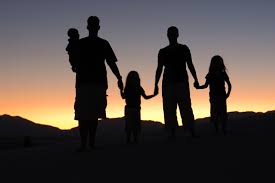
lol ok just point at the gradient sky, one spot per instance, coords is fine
(37, 83)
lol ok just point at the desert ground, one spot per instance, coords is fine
(245, 154)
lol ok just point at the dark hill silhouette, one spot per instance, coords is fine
(241, 122)
(257, 123)
(14, 129)
(15, 126)
(248, 115)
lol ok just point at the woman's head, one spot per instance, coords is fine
(217, 64)
(132, 79)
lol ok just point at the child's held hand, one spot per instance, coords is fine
(196, 85)
(156, 92)
(120, 84)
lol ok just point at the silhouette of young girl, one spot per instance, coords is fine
(216, 79)
(132, 94)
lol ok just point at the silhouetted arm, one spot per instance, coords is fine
(122, 94)
(111, 61)
(202, 86)
(114, 68)
(158, 72)
(229, 87)
(147, 96)
(191, 67)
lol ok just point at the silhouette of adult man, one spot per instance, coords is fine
(91, 81)
(175, 86)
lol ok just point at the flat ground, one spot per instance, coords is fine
(237, 157)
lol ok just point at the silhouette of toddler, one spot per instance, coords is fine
(73, 47)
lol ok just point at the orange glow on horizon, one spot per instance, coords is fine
(58, 111)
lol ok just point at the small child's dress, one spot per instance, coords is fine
(132, 109)
(217, 95)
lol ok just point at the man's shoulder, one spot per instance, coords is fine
(163, 50)
(99, 39)
(83, 39)
(183, 46)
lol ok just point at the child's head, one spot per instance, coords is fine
(132, 79)
(217, 64)
(73, 33)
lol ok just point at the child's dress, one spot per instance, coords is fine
(217, 95)
(132, 109)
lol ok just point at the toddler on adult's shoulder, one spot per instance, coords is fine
(73, 47)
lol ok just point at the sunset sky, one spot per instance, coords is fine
(38, 84)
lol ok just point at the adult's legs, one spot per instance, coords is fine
(92, 131)
(185, 106)
(170, 109)
(83, 131)
(216, 124)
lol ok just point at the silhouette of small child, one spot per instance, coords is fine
(73, 47)
(132, 94)
(216, 79)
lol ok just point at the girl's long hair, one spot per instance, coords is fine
(217, 65)
(132, 82)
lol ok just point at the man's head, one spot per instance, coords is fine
(93, 24)
(172, 34)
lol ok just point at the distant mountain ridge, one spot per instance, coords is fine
(18, 126)
(235, 115)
